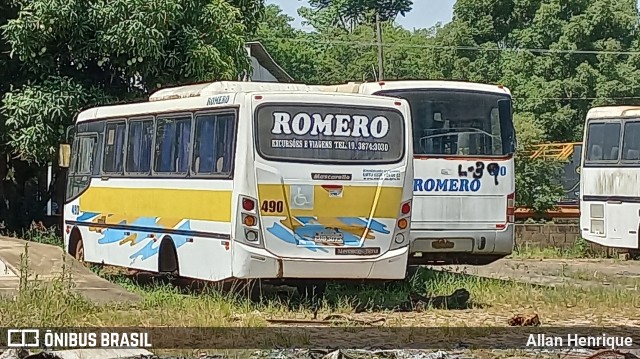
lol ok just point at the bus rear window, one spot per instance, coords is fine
(325, 133)
(458, 122)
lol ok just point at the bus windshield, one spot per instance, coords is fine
(459, 122)
(329, 133)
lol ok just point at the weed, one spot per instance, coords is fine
(579, 249)
(51, 302)
(37, 232)
(492, 302)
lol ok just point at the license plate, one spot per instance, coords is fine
(370, 251)
(331, 239)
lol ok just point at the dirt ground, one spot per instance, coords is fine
(558, 272)
(571, 292)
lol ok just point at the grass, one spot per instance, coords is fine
(37, 232)
(57, 304)
(492, 303)
(579, 249)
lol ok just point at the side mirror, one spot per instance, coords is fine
(64, 155)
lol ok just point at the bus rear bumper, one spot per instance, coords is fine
(254, 263)
(477, 247)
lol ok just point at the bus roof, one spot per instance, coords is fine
(613, 111)
(372, 87)
(219, 87)
(188, 100)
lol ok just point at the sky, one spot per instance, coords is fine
(424, 14)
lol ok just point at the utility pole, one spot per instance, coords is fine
(380, 53)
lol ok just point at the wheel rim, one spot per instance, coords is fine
(80, 252)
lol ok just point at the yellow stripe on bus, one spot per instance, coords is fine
(356, 201)
(205, 205)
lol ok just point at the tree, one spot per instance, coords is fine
(556, 87)
(347, 14)
(332, 55)
(537, 180)
(67, 55)
(295, 50)
(251, 11)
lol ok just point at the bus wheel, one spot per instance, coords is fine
(168, 259)
(79, 252)
(76, 246)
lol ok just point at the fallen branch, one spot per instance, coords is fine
(327, 320)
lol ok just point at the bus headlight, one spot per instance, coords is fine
(399, 238)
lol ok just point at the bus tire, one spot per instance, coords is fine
(168, 258)
(76, 245)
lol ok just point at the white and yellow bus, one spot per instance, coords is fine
(235, 180)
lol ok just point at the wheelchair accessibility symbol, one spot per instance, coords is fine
(301, 197)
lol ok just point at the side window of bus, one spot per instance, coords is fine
(83, 156)
(213, 144)
(173, 137)
(631, 141)
(603, 141)
(139, 146)
(112, 161)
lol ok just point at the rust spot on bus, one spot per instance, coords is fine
(280, 269)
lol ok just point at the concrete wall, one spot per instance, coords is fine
(554, 236)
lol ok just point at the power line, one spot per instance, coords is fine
(458, 47)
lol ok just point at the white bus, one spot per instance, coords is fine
(464, 187)
(236, 180)
(610, 177)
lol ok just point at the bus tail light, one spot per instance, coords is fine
(403, 223)
(248, 204)
(248, 227)
(249, 220)
(511, 210)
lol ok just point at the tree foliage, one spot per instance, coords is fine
(558, 59)
(58, 57)
(347, 14)
(537, 180)
(83, 53)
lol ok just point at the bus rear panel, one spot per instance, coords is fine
(333, 184)
(464, 186)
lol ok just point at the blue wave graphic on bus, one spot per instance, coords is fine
(85, 216)
(149, 250)
(137, 237)
(303, 236)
